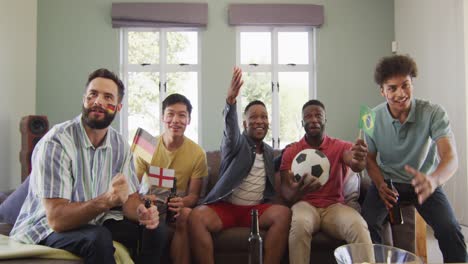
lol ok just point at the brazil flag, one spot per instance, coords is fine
(367, 120)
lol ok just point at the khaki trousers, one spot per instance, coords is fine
(337, 220)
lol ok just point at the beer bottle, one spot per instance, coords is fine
(255, 240)
(396, 218)
(170, 214)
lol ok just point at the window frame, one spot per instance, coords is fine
(275, 68)
(162, 68)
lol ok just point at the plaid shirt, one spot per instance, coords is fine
(66, 165)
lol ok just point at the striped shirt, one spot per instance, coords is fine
(66, 165)
(250, 191)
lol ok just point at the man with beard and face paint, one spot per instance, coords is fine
(246, 182)
(83, 187)
(188, 160)
(417, 152)
(316, 207)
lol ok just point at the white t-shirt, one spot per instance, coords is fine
(250, 191)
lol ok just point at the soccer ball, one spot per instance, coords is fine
(311, 161)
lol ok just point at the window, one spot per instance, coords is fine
(156, 63)
(279, 69)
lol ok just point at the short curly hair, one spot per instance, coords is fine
(396, 65)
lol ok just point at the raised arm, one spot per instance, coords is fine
(236, 84)
(231, 125)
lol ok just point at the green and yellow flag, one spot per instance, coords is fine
(367, 120)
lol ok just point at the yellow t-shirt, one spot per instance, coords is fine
(188, 162)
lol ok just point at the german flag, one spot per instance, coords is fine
(110, 108)
(144, 144)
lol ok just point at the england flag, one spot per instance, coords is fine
(161, 177)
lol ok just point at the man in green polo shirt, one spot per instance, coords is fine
(417, 152)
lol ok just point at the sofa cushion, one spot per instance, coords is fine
(11, 207)
(214, 161)
(351, 190)
(4, 196)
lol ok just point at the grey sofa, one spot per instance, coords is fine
(231, 245)
(5, 229)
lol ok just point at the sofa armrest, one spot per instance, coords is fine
(5, 229)
(4, 195)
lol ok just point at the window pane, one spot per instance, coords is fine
(293, 94)
(182, 47)
(186, 83)
(255, 47)
(293, 47)
(257, 86)
(143, 47)
(143, 103)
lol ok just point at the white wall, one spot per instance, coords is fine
(18, 20)
(432, 32)
(465, 30)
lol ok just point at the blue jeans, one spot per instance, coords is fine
(436, 211)
(94, 243)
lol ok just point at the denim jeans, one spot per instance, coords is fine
(94, 243)
(436, 211)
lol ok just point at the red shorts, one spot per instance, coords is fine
(232, 215)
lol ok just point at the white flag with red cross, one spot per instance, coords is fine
(161, 177)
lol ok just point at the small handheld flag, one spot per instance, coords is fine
(161, 177)
(110, 108)
(144, 145)
(367, 120)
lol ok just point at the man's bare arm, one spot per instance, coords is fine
(425, 185)
(62, 215)
(191, 199)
